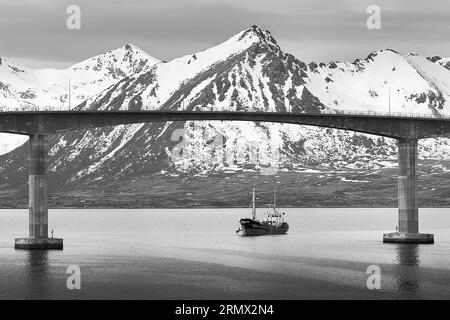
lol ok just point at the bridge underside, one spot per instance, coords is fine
(38, 125)
(408, 213)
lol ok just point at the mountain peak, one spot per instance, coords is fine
(130, 50)
(131, 47)
(238, 43)
(381, 52)
(256, 34)
(122, 61)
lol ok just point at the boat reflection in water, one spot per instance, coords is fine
(273, 222)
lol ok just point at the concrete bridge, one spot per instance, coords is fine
(406, 128)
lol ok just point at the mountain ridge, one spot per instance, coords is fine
(24, 88)
(247, 72)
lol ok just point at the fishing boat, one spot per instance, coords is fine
(272, 223)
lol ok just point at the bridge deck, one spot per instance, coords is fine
(399, 126)
(371, 114)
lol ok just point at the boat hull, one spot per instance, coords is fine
(251, 228)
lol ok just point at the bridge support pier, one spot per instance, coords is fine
(408, 209)
(38, 199)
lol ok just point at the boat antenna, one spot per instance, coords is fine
(254, 205)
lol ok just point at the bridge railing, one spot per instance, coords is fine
(392, 114)
(289, 111)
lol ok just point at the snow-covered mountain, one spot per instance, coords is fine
(22, 88)
(247, 72)
(413, 84)
(25, 88)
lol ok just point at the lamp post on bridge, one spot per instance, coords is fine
(389, 100)
(69, 96)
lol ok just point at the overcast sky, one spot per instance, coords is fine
(34, 32)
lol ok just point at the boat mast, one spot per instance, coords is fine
(254, 205)
(275, 205)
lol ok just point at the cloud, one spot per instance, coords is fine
(310, 29)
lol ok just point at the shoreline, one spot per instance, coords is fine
(217, 207)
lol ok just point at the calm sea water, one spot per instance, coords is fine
(195, 254)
